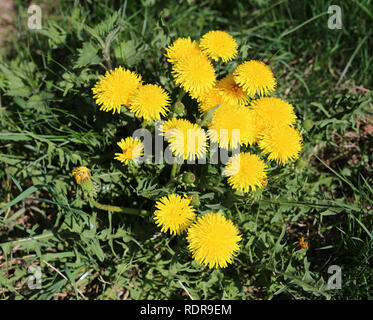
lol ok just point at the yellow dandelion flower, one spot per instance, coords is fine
(231, 92)
(303, 243)
(283, 143)
(213, 240)
(173, 123)
(272, 111)
(219, 45)
(81, 174)
(255, 77)
(231, 125)
(187, 140)
(174, 213)
(150, 102)
(182, 47)
(246, 171)
(82, 177)
(195, 74)
(132, 149)
(115, 88)
(210, 100)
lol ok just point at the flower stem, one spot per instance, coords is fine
(175, 170)
(118, 209)
(181, 95)
(134, 172)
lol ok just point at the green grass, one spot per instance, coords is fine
(49, 124)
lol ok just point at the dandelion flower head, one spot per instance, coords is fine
(246, 172)
(231, 125)
(255, 77)
(81, 174)
(213, 240)
(182, 47)
(230, 91)
(210, 100)
(174, 214)
(132, 149)
(282, 143)
(219, 45)
(115, 89)
(271, 111)
(195, 74)
(150, 102)
(187, 140)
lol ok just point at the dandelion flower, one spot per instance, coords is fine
(132, 149)
(213, 240)
(273, 111)
(246, 171)
(115, 88)
(82, 177)
(150, 102)
(195, 74)
(174, 213)
(230, 91)
(303, 243)
(81, 174)
(167, 126)
(210, 100)
(268, 112)
(283, 143)
(255, 77)
(219, 45)
(182, 47)
(187, 140)
(231, 125)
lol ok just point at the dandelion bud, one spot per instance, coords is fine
(179, 108)
(189, 177)
(308, 124)
(264, 181)
(195, 200)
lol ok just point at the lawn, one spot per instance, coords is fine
(307, 234)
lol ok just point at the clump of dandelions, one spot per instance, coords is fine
(235, 110)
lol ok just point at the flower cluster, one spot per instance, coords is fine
(213, 239)
(238, 102)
